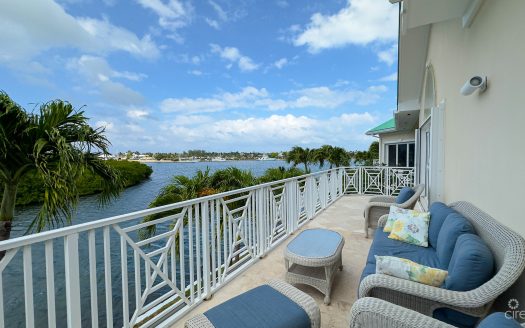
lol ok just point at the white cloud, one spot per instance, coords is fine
(108, 126)
(251, 97)
(361, 22)
(212, 22)
(389, 78)
(233, 55)
(98, 74)
(29, 30)
(282, 3)
(389, 55)
(137, 113)
(195, 72)
(275, 131)
(221, 13)
(280, 63)
(173, 14)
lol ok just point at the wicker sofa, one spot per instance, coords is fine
(508, 252)
(378, 206)
(371, 312)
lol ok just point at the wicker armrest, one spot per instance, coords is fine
(459, 300)
(372, 312)
(382, 220)
(382, 199)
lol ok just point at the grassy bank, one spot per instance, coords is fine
(31, 191)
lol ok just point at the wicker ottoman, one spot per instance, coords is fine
(313, 257)
(273, 305)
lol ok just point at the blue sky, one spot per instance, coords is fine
(171, 75)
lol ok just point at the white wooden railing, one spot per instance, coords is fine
(378, 180)
(112, 274)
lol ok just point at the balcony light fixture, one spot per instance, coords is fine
(474, 83)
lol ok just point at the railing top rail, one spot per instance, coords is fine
(77, 228)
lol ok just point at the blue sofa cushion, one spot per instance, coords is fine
(438, 214)
(471, 265)
(262, 307)
(382, 245)
(499, 320)
(454, 226)
(404, 194)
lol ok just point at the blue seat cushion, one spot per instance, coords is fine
(382, 245)
(404, 194)
(438, 214)
(261, 307)
(499, 320)
(454, 226)
(471, 265)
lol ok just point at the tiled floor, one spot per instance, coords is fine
(344, 216)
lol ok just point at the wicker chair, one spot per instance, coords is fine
(371, 312)
(508, 249)
(378, 206)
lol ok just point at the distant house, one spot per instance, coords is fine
(396, 145)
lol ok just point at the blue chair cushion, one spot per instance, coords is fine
(382, 245)
(404, 194)
(438, 214)
(499, 320)
(471, 265)
(454, 226)
(261, 307)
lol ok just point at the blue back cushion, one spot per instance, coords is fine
(471, 265)
(262, 306)
(499, 320)
(438, 214)
(454, 226)
(404, 195)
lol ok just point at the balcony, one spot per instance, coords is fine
(124, 271)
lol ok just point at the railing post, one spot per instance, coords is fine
(360, 175)
(309, 197)
(261, 222)
(205, 249)
(387, 184)
(72, 280)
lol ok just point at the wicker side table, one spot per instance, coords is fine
(313, 257)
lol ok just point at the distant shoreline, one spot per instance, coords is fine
(171, 161)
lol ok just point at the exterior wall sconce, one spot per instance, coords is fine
(473, 84)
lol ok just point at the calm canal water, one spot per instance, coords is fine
(132, 199)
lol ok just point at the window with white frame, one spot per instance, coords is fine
(400, 154)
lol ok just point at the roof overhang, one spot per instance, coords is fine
(415, 19)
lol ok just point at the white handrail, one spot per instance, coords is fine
(191, 255)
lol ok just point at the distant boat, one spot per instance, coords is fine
(218, 159)
(266, 158)
(188, 160)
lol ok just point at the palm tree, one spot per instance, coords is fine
(58, 145)
(298, 155)
(279, 173)
(232, 178)
(338, 157)
(323, 154)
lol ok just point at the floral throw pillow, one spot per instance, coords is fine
(412, 228)
(409, 270)
(395, 214)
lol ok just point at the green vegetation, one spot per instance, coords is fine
(58, 146)
(367, 157)
(31, 189)
(335, 156)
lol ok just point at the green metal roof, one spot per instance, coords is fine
(387, 126)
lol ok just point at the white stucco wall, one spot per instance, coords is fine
(394, 137)
(484, 149)
(484, 152)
